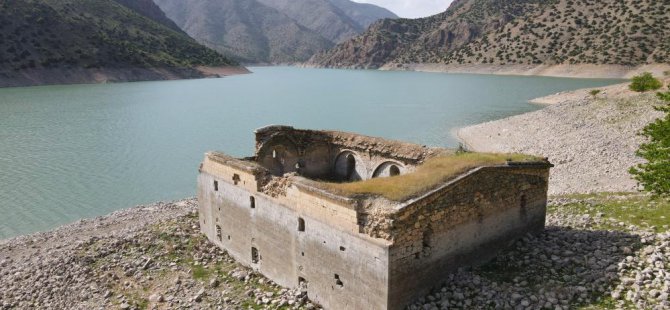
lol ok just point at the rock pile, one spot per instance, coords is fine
(571, 264)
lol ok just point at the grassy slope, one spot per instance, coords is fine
(91, 34)
(432, 173)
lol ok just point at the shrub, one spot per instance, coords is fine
(645, 82)
(654, 175)
(594, 92)
(664, 96)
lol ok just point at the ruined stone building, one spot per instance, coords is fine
(273, 213)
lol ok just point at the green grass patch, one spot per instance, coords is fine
(631, 208)
(199, 272)
(432, 173)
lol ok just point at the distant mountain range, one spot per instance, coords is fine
(505, 32)
(271, 31)
(74, 41)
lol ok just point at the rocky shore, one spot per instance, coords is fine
(591, 139)
(153, 257)
(65, 76)
(590, 71)
(146, 257)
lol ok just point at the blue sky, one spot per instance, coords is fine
(412, 8)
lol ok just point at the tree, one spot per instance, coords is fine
(654, 175)
(645, 82)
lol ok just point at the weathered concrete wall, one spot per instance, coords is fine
(463, 224)
(337, 262)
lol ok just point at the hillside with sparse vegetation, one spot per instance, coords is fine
(271, 31)
(513, 32)
(95, 35)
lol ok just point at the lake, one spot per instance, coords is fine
(79, 151)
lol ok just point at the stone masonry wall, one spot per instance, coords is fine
(463, 224)
(322, 154)
(335, 260)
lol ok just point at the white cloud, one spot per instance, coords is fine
(412, 8)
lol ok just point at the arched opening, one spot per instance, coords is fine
(387, 169)
(394, 170)
(351, 166)
(346, 167)
(301, 224)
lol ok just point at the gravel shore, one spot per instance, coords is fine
(154, 257)
(591, 140)
(150, 256)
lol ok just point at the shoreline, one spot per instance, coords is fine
(582, 71)
(590, 140)
(74, 76)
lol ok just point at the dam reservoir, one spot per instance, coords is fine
(79, 151)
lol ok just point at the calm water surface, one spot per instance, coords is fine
(71, 152)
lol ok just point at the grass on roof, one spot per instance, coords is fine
(432, 173)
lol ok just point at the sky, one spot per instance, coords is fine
(412, 8)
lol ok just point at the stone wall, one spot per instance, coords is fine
(463, 224)
(294, 237)
(362, 252)
(324, 154)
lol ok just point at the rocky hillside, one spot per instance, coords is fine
(271, 31)
(150, 10)
(74, 41)
(505, 32)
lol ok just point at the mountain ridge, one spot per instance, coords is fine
(269, 31)
(503, 33)
(94, 41)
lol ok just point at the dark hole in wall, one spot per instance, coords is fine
(301, 224)
(255, 257)
(302, 283)
(394, 170)
(236, 178)
(218, 233)
(216, 186)
(252, 202)
(343, 249)
(361, 220)
(427, 242)
(338, 281)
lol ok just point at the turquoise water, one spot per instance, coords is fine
(71, 152)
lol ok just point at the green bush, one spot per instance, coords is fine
(645, 82)
(595, 92)
(654, 175)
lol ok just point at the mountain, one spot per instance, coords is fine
(522, 32)
(149, 9)
(271, 31)
(319, 16)
(247, 30)
(363, 13)
(335, 20)
(77, 41)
